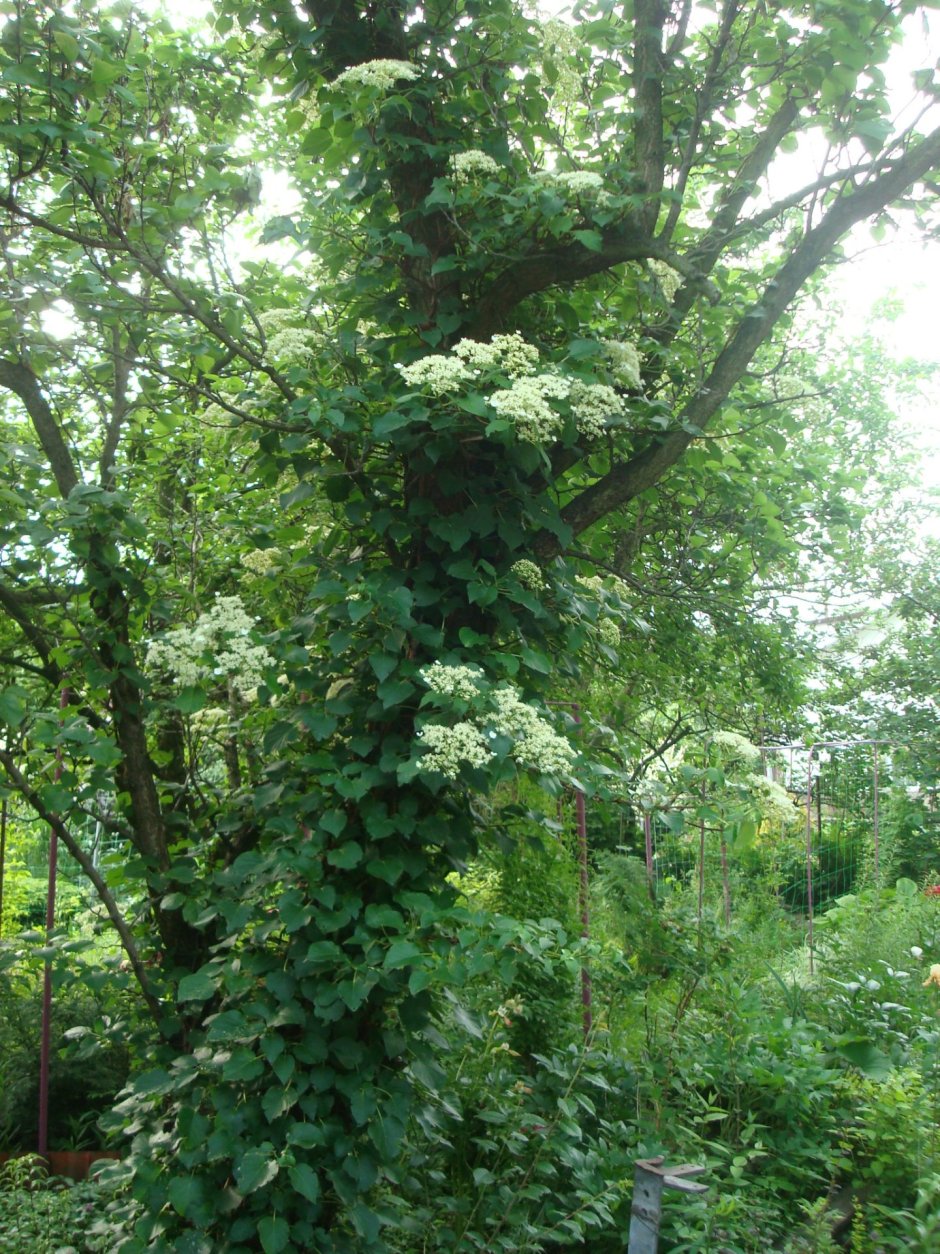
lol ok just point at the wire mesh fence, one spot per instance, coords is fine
(24, 866)
(864, 814)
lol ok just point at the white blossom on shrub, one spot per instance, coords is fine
(534, 742)
(773, 802)
(609, 633)
(624, 359)
(260, 562)
(510, 354)
(217, 646)
(592, 405)
(383, 73)
(453, 747)
(576, 182)
(528, 574)
(731, 744)
(438, 373)
(468, 166)
(533, 418)
(453, 681)
(669, 280)
(293, 345)
(537, 744)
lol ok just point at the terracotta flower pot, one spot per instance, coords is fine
(74, 1164)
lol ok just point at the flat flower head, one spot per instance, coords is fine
(383, 74)
(933, 977)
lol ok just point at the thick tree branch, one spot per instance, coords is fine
(565, 264)
(13, 605)
(649, 22)
(710, 247)
(19, 379)
(703, 103)
(625, 481)
(109, 604)
(29, 794)
(121, 365)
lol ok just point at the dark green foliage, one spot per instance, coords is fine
(83, 1084)
(46, 1215)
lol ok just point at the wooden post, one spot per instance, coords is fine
(649, 1180)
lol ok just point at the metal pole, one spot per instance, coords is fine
(725, 880)
(46, 1029)
(584, 902)
(3, 853)
(701, 861)
(809, 855)
(648, 838)
(875, 831)
(45, 1040)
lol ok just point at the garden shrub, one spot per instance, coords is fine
(84, 1077)
(42, 1214)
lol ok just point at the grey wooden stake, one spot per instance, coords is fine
(650, 1178)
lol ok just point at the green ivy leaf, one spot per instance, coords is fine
(256, 1169)
(199, 986)
(274, 1234)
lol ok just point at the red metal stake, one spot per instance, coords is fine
(584, 903)
(809, 856)
(3, 853)
(45, 1042)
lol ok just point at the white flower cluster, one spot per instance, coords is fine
(528, 574)
(213, 720)
(507, 353)
(467, 167)
(607, 591)
(452, 681)
(536, 743)
(592, 405)
(452, 747)
(439, 374)
(260, 562)
(773, 801)
(625, 362)
(560, 44)
(218, 645)
(731, 745)
(669, 280)
(603, 587)
(608, 632)
(276, 319)
(577, 182)
(292, 344)
(382, 74)
(525, 403)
